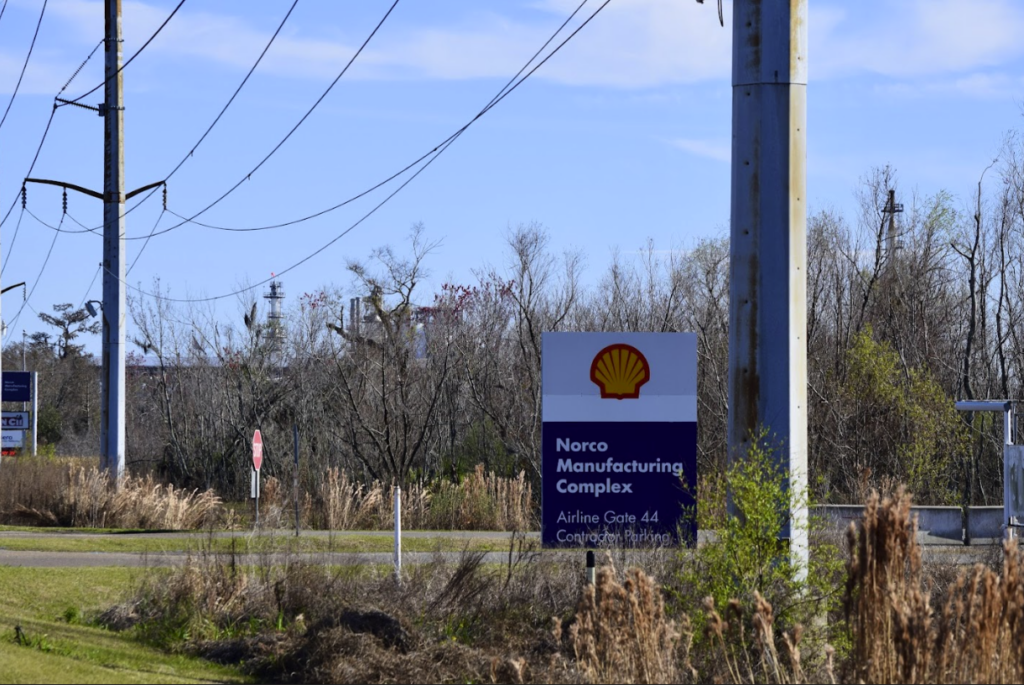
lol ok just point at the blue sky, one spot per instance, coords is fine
(622, 136)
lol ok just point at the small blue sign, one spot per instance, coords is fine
(17, 386)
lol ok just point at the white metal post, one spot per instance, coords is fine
(768, 243)
(1008, 424)
(114, 301)
(35, 413)
(398, 533)
(1005, 406)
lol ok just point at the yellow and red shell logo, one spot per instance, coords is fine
(619, 370)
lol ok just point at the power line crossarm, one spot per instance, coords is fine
(92, 193)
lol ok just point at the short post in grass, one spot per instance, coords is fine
(295, 480)
(591, 568)
(398, 534)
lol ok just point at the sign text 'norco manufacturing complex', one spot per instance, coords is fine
(619, 439)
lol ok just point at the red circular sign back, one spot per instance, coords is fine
(257, 450)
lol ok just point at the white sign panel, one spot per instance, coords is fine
(13, 439)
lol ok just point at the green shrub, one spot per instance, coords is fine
(747, 555)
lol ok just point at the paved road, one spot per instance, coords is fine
(167, 559)
(184, 535)
(934, 549)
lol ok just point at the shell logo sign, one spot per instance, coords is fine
(619, 370)
(618, 474)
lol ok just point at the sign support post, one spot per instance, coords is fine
(35, 412)
(295, 483)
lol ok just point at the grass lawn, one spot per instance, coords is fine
(54, 608)
(58, 541)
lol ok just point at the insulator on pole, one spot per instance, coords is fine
(24, 196)
(165, 197)
(65, 200)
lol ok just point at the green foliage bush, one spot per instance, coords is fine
(747, 554)
(50, 425)
(908, 428)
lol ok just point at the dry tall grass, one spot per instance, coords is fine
(896, 634)
(73, 492)
(67, 493)
(759, 662)
(621, 633)
(482, 501)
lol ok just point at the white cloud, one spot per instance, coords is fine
(914, 39)
(631, 44)
(703, 148)
(974, 86)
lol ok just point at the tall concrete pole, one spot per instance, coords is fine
(768, 283)
(114, 301)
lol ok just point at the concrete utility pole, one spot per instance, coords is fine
(768, 253)
(112, 411)
(114, 300)
(891, 239)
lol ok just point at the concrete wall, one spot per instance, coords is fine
(936, 525)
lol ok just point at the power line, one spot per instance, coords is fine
(151, 233)
(3, 9)
(84, 229)
(35, 159)
(210, 128)
(10, 247)
(38, 278)
(130, 59)
(507, 88)
(24, 66)
(434, 154)
(235, 94)
(91, 284)
(80, 67)
(304, 116)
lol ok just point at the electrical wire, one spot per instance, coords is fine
(494, 101)
(3, 9)
(91, 284)
(132, 58)
(24, 66)
(305, 116)
(191, 152)
(17, 227)
(95, 230)
(210, 127)
(138, 255)
(35, 158)
(39, 277)
(235, 94)
(32, 166)
(80, 67)
(85, 229)
(505, 92)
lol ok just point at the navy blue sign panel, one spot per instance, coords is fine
(619, 439)
(17, 386)
(619, 484)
